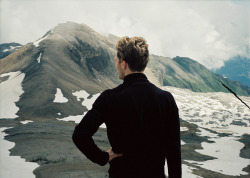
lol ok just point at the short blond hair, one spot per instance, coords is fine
(134, 51)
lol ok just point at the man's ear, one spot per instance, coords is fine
(124, 64)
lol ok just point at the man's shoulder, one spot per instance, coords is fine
(114, 90)
(162, 91)
(110, 91)
(149, 84)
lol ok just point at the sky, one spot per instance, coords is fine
(208, 31)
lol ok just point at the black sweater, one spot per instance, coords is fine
(142, 123)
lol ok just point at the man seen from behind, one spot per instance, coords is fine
(142, 121)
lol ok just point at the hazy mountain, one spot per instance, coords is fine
(237, 69)
(8, 48)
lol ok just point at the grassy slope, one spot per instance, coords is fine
(186, 73)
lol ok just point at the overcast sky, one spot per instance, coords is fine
(208, 31)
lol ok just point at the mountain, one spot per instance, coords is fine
(183, 72)
(8, 48)
(46, 87)
(70, 57)
(237, 69)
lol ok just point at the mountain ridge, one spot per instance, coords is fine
(73, 56)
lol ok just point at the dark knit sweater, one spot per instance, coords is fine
(142, 123)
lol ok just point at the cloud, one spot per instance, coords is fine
(210, 32)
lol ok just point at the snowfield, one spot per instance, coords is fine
(12, 89)
(10, 92)
(216, 112)
(13, 166)
(226, 150)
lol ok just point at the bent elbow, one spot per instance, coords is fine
(75, 138)
(80, 139)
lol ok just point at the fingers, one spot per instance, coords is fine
(113, 155)
(118, 155)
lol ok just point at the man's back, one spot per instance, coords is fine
(141, 120)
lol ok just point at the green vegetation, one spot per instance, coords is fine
(183, 72)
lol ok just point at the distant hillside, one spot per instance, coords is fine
(183, 72)
(8, 48)
(237, 69)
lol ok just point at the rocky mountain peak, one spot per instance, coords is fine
(73, 57)
(73, 33)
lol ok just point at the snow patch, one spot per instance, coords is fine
(87, 102)
(12, 89)
(11, 48)
(26, 121)
(226, 150)
(59, 98)
(183, 143)
(205, 133)
(80, 94)
(183, 129)
(38, 41)
(14, 47)
(13, 166)
(39, 58)
(77, 119)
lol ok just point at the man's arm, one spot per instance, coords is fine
(84, 131)
(173, 146)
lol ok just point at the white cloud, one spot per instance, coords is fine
(210, 32)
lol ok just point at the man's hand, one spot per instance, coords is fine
(113, 155)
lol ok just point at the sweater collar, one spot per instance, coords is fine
(134, 77)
